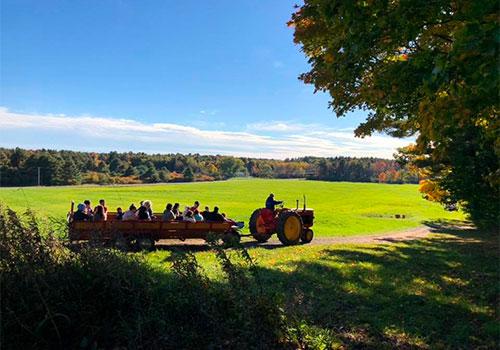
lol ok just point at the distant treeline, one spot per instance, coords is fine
(20, 167)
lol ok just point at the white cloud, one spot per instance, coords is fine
(281, 126)
(208, 112)
(288, 139)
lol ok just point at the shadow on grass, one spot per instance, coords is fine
(432, 293)
(203, 247)
(453, 227)
(435, 293)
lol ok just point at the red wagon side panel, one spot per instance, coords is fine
(105, 230)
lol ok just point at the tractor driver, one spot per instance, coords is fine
(270, 202)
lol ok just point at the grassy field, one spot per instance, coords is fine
(435, 293)
(341, 209)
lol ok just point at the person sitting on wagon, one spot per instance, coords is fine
(175, 209)
(215, 215)
(168, 214)
(143, 213)
(80, 214)
(197, 216)
(186, 209)
(195, 206)
(149, 207)
(206, 213)
(103, 203)
(270, 202)
(130, 214)
(88, 207)
(119, 213)
(99, 214)
(189, 216)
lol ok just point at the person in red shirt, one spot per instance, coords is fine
(196, 206)
(102, 202)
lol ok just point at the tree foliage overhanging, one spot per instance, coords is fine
(19, 167)
(424, 68)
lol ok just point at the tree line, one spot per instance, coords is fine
(21, 167)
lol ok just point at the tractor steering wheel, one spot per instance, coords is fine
(281, 205)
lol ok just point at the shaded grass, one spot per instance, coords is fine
(435, 293)
(341, 209)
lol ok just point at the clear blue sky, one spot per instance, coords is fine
(164, 76)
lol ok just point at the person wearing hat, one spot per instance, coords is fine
(270, 202)
(80, 214)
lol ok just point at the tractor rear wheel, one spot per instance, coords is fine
(289, 228)
(307, 236)
(257, 227)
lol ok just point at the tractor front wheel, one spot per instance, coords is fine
(307, 236)
(289, 228)
(258, 228)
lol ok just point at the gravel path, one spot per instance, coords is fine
(389, 237)
(382, 238)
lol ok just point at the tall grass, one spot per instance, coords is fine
(53, 297)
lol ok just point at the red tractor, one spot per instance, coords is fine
(291, 225)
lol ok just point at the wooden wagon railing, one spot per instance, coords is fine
(87, 230)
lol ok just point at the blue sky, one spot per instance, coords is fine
(165, 76)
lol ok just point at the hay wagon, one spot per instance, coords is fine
(144, 234)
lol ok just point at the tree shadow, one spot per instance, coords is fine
(436, 292)
(449, 226)
(203, 246)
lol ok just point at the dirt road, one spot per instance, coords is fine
(390, 237)
(382, 238)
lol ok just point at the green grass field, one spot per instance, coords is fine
(435, 293)
(341, 209)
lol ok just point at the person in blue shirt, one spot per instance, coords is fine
(81, 214)
(270, 202)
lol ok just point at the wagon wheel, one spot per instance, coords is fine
(307, 236)
(258, 228)
(145, 243)
(289, 228)
(121, 242)
(231, 239)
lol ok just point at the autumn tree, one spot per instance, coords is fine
(422, 68)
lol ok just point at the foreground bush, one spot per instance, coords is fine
(53, 297)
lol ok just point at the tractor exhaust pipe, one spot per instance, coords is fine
(305, 202)
(297, 208)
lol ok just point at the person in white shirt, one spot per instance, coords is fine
(129, 215)
(189, 216)
(168, 214)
